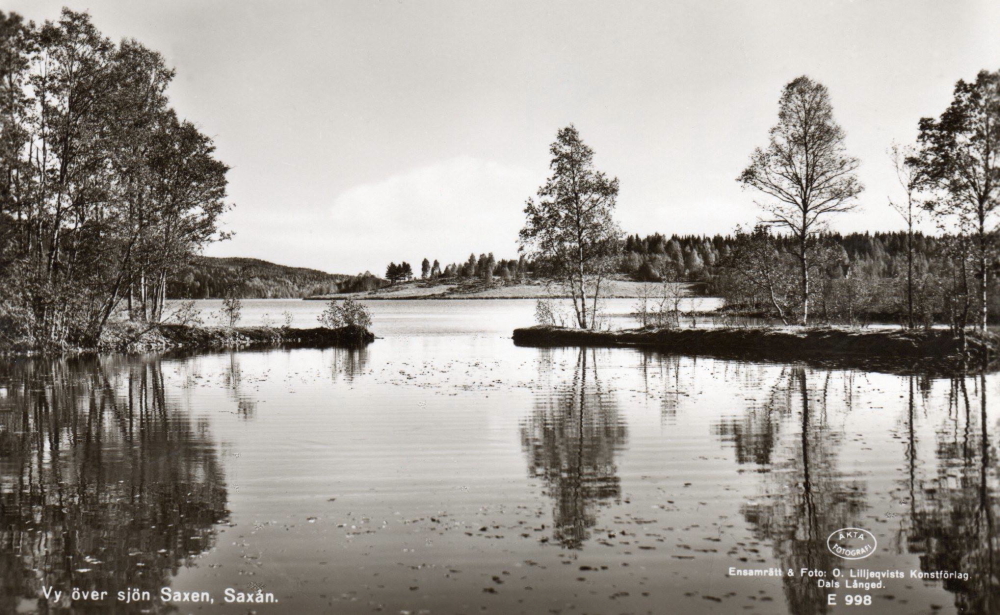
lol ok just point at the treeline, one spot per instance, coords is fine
(104, 190)
(248, 278)
(858, 277)
(791, 268)
(705, 259)
(486, 268)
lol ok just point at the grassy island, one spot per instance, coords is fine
(885, 349)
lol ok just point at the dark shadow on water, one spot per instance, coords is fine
(954, 511)
(571, 440)
(106, 484)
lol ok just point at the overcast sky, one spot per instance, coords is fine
(361, 132)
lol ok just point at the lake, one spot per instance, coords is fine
(444, 470)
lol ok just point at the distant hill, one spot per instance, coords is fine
(207, 277)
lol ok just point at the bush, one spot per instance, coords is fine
(350, 313)
(231, 311)
(16, 324)
(186, 313)
(548, 313)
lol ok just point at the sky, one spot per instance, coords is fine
(362, 132)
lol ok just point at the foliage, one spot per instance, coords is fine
(765, 273)
(205, 277)
(571, 228)
(365, 282)
(186, 313)
(659, 305)
(485, 267)
(958, 164)
(398, 273)
(104, 190)
(548, 313)
(804, 173)
(348, 313)
(231, 311)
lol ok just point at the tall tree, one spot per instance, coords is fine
(570, 230)
(425, 268)
(958, 162)
(103, 190)
(804, 172)
(910, 212)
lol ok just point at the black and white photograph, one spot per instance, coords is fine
(515, 307)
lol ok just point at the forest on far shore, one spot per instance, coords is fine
(878, 259)
(206, 277)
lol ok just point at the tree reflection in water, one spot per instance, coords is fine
(954, 511)
(667, 368)
(755, 433)
(571, 439)
(805, 496)
(105, 484)
(349, 363)
(246, 406)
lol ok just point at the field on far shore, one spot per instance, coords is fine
(423, 289)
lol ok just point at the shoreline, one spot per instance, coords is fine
(170, 337)
(185, 337)
(450, 291)
(892, 350)
(458, 297)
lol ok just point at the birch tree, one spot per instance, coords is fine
(804, 173)
(909, 210)
(570, 230)
(958, 160)
(104, 191)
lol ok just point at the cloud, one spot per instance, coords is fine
(442, 211)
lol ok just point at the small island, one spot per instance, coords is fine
(187, 337)
(894, 350)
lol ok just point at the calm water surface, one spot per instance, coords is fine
(444, 470)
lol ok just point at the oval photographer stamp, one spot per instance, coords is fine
(851, 543)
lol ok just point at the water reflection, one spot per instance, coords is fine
(109, 482)
(668, 369)
(754, 434)
(349, 363)
(571, 439)
(246, 406)
(804, 496)
(954, 511)
(947, 501)
(106, 485)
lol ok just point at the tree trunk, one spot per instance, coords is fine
(583, 293)
(982, 273)
(805, 278)
(163, 296)
(597, 294)
(909, 272)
